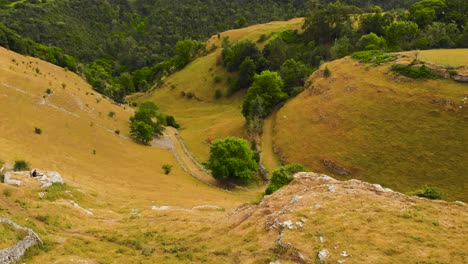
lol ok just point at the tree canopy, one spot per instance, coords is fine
(231, 159)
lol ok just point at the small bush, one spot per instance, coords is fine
(262, 38)
(167, 168)
(111, 114)
(217, 79)
(37, 130)
(190, 95)
(283, 176)
(49, 91)
(218, 94)
(414, 72)
(326, 72)
(7, 192)
(64, 85)
(170, 121)
(59, 190)
(117, 132)
(21, 165)
(134, 104)
(430, 192)
(376, 57)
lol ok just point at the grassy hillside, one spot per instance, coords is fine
(380, 128)
(128, 211)
(204, 118)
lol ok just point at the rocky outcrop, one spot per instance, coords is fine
(47, 179)
(14, 253)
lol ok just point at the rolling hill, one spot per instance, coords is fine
(365, 122)
(118, 206)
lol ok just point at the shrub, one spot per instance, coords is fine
(376, 57)
(56, 191)
(430, 192)
(283, 176)
(326, 72)
(217, 79)
(170, 121)
(218, 94)
(117, 132)
(231, 159)
(111, 114)
(167, 168)
(414, 72)
(37, 130)
(49, 91)
(190, 95)
(21, 165)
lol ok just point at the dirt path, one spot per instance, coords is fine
(269, 157)
(173, 142)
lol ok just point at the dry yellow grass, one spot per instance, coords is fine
(448, 57)
(383, 129)
(205, 118)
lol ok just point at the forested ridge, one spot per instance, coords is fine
(125, 46)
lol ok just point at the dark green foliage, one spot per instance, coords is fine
(341, 48)
(37, 130)
(326, 72)
(170, 121)
(234, 55)
(430, 192)
(141, 132)
(283, 176)
(294, 74)
(371, 42)
(231, 159)
(276, 52)
(167, 168)
(218, 94)
(414, 72)
(265, 93)
(21, 165)
(401, 34)
(111, 114)
(117, 132)
(372, 56)
(143, 126)
(246, 72)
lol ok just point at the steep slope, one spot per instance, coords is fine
(203, 117)
(364, 122)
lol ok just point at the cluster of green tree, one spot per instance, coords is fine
(11, 40)
(334, 30)
(147, 122)
(426, 24)
(128, 45)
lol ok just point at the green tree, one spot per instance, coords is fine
(276, 52)
(294, 74)
(426, 12)
(341, 48)
(401, 34)
(371, 42)
(246, 72)
(141, 132)
(268, 86)
(235, 54)
(441, 35)
(231, 159)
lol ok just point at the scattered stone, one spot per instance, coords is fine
(344, 254)
(336, 168)
(296, 199)
(208, 208)
(341, 261)
(331, 188)
(275, 262)
(79, 207)
(323, 255)
(161, 208)
(41, 194)
(322, 239)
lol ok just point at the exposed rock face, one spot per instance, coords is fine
(317, 219)
(47, 179)
(14, 253)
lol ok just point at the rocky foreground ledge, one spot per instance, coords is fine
(318, 219)
(14, 253)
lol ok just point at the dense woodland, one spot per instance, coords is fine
(125, 46)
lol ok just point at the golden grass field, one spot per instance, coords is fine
(141, 215)
(448, 57)
(383, 129)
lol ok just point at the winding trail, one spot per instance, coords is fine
(172, 141)
(269, 158)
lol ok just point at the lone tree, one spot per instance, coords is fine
(143, 125)
(231, 159)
